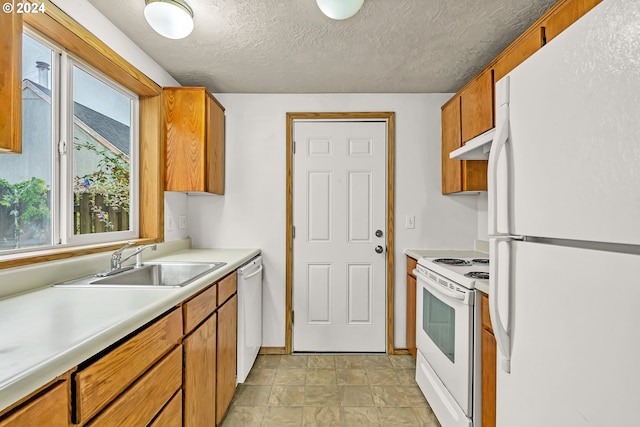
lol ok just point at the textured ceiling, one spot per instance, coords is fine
(289, 46)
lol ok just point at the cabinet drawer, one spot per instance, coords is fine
(101, 381)
(411, 265)
(486, 318)
(140, 403)
(199, 308)
(171, 414)
(226, 288)
(48, 409)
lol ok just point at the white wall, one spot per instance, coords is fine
(483, 217)
(252, 211)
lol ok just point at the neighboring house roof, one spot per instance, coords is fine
(116, 133)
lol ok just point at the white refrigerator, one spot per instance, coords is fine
(564, 227)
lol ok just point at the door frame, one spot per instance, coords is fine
(389, 117)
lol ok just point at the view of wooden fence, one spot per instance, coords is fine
(87, 220)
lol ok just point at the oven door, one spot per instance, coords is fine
(444, 335)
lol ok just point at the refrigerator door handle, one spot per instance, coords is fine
(503, 339)
(500, 140)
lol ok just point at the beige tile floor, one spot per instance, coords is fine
(330, 390)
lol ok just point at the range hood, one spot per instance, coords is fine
(476, 148)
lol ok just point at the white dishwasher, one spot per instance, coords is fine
(249, 315)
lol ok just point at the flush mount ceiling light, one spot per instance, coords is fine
(339, 9)
(172, 19)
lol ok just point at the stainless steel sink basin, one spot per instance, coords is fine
(152, 275)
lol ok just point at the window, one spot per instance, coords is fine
(75, 180)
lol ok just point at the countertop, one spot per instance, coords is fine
(46, 332)
(481, 285)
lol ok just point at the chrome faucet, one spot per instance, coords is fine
(117, 260)
(116, 257)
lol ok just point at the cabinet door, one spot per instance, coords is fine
(49, 409)
(476, 106)
(194, 133)
(185, 132)
(215, 155)
(171, 414)
(97, 384)
(227, 353)
(140, 403)
(411, 307)
(523, 48)
(488, 345)
(565, 15)
(11, 82)
(451, 168)
(200, 375)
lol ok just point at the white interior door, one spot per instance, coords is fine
(339, 213)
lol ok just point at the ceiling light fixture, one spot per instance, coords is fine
(172, 19)
(339, 9)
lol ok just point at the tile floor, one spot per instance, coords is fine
(328, 390)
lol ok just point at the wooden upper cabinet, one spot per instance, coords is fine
(194, 132)
(10, 82)
(451, 168)
(458, 175)
(564, 15)
(525, 46)
(476, 106)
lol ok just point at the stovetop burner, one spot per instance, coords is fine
(480, 261)
(452, 261)
(482, 275)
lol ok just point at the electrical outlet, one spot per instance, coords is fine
(410, 221)
(183, 222)
(169, 223)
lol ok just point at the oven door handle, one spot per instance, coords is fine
(441, 290)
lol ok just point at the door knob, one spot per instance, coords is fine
(379, 233)
(379, 249)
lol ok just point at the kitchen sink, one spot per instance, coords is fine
(151, 275)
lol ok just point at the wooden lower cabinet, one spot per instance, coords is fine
(179, 370)
(99, 382)
(171, 414)
(140, 404)
(48, 408)
(411, 307)
(488, 344)
(200, 375)
(227, 356)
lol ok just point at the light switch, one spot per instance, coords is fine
(169, 223)
(183, 222)
(410, 221)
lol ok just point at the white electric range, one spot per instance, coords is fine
(448, 337)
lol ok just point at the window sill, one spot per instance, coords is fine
(52, 254)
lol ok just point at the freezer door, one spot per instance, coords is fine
(573, 150)
(573, 324)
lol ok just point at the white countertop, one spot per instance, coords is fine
(48, 331)
(481, 285)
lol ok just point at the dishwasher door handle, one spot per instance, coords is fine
(255, 273)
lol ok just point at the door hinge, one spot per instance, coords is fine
(62, 147)
(294, 147)
(293, 232)
(293, 317)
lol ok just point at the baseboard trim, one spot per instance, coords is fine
(401, 351)
(272, 350)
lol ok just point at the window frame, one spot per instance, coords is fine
(57, 26)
